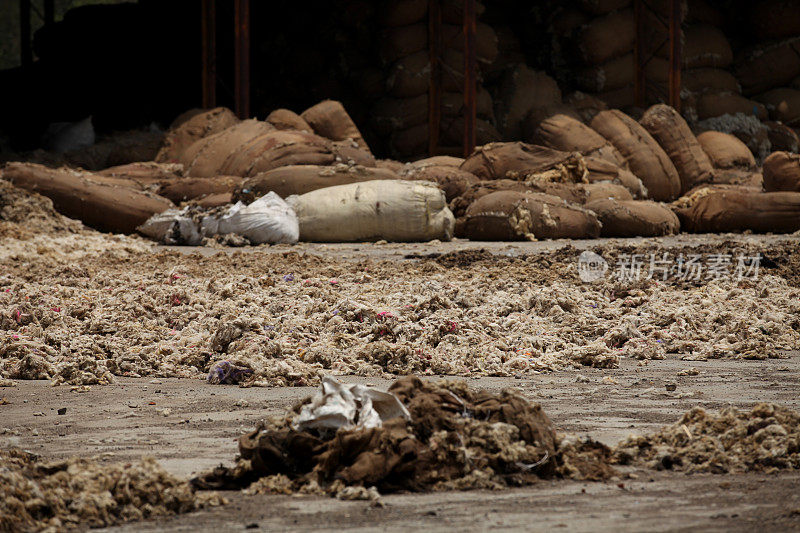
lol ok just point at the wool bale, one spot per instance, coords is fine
(782, 172)
(634, 218)
(726, 150)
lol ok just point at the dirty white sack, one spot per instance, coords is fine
(267, 220)
(339, 405)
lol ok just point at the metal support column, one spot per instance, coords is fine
(435, 87)
(242, 60)
(470, 77)
(675, 54)
(209, 51)
(26, 51)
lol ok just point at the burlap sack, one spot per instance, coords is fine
(620, 72)
(146, 173)
(645, 158)
(83, 196)
(393, 114)
(521, 90)
(738, 176)
(742, 210)
(621, 98)
(601, 171)
(782, 172)
(205, 158)
(725, 150)
(783, 104)
(403, 41)
(190, 188)
(521, 161)
(452, 180)
(375, 210)
(767, 66)
(634, 218)
(572, 193)
(602, 191)
(585, 105)
(288, 147)
(747, 128)
(709, 80)
(513, 216)
(706, 46)
(770, 20)
(300, 179)
(439, 161)
(781, 137)
(191, 129)
(408, 143)
(284, 119)
(607, 37)
(567, 134)
(673, 134)
(330, 120)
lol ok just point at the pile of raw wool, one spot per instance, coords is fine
(454, 439)
(291, 317)
(37, 495)
(24, 214)
(765, 439)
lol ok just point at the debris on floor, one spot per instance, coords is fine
(764, 439)
(453, 438)
(36, 495)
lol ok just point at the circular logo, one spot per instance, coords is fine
(591, 266)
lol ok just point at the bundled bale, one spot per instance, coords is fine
(513, 216)
(706, 46)
(439, 161)
(522, 90)
(725, 150)
(451, 180)
(739, 176)
(146, 173)
(742, 210)
(572, 193)
(524, 162)
(284, 119)
(645, 158)
(673, 134)
(620, 72)
(783, 104)
(602, 191)
(567, 134)
(709, 80)
(83, 196)
(771, 20)
(402, 41)
(284, 148)
(374, 210)
(711, 105)
(782, 172)
(767, 66)
(601, 171)
(300, 179)
(330, 120)
(205, 157)
(747, 128)
(607, 37)
(191, 188)
(634, 218)
(190, 129)
(782, 137)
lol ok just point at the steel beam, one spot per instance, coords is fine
(209, 51)
(470, 77)
(242, 59)
(435, 86)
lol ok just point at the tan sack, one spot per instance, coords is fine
(570, 135)
(374, 210)
(782, 172)
(521, 161)
(191, 130)
(514, 216)
(742, 210)
(82, 196)
(284, 119)
(330, 120)
(634, 218)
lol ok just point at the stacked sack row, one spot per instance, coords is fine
(400, 115)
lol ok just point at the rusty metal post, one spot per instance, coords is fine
(675, 54)
(25, 49)
(49, 12)
(470, 77)
(209, 37)
(640, 55)
(435, 86)
(242, 60)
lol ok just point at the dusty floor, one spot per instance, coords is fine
(189, 425)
